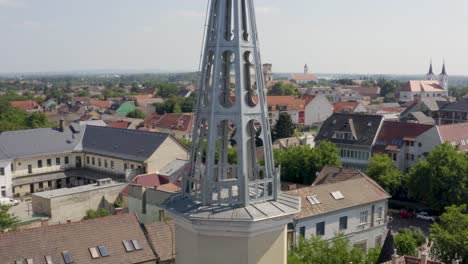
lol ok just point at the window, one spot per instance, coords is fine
(137, 244)
(302, 231)
(67, 160)
(49, 162)
(94, 161)
(49, 184)
(94, 253)
(363, 217)
(99, 162)
(2, 171)
(103, 251)
(105, 163)
(112, 164)
(313, 199)
(419, 144)
(67, 257)
(39, 163)
(343, 223)
(412, 156)
(41, 185)
(132, 166)
(320, 229)
(87, 160)
(125, 166)
(379, 213)
(57, 161)
(337, 195)
(49, 259)
(29, 168)
(128, 245)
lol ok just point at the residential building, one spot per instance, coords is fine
(333, 94)
(178, 125)
(430, 107)
(342, 201)
(268, 73)
(353, 134)
(399, 141)
(317, 109)
(455, 112)
(100, 105)
(28, 106)
(369, 92)
(286, 104)
(43, 158)
(455, 134)
(112, 239)
(349, 107)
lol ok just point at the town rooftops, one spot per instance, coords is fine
(173, 121)
(80, 240)
(39, 141)
(100, 103)
(394, 133)
(345, 107)
(304, 77)
(126, 144)
(352, 192)
(285, 103)
(362, 127)
(458, 106)
(455, 134)
(422, 86)
(26, 105)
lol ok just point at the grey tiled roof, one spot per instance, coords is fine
(458, 106)
(126, 144)
(35, 142)
(363, 126)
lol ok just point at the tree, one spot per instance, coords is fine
(137, 113)
(284, 127)
(92, 214)
(405, 244)
(450, 236)
(384, 171)
(339, 250)
(6, 220)
(442, 179)
(282, 88)
(166, 90)
(300, 164)
(416, 233)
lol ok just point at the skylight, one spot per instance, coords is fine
(94, 253)
(313, 199)
(337, 195)
(137, 244)
(128, 245)
(67, 257)
(103, 251)
(49, 260)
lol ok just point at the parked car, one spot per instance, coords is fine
(425, 216)
(405, 214)
(8, 201)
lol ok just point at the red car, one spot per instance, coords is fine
(405, 214)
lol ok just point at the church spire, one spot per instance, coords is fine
(443, 77)
(430, 75)
(443, 69)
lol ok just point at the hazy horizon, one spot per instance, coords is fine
(344, 37)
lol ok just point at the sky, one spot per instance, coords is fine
(331, 36)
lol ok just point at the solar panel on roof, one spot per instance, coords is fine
(128, 245)
(137, 244)
(103, 251)
(67, 257)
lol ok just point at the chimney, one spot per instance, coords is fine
(395, 257)
(423, 258)
(62, 125)
(162, 215)
(119, 211)
(68, 221)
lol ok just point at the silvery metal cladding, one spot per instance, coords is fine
(227, 167)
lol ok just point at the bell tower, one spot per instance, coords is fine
(231, 209)
(443, 78)
(430, 75)
(306, 69)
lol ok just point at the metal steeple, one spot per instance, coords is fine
(231, 115)
(430, 75)
(444, 72)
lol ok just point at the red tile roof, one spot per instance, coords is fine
(456, 134)
(285, 103)
(100, 103)
(26, 105)
(77, 238)
(119, 124)
(180, 122)
(393, 133)
(152, 180)
(308, 99)
(345, 107)
(422, 86)
(162, 234)
(304, 77)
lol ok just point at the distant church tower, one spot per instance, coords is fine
(306, 69)
(268, 72)
(430, 75)
(443, 78)
(231, 209)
